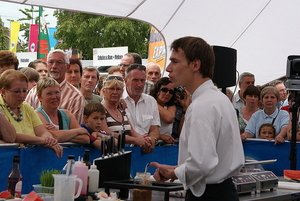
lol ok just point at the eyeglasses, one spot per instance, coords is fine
(113, 77)
(17, 92)
(164, 89)
(59, 63)
(124, 65)
(56, 93)
(114, 89)
(136, 66)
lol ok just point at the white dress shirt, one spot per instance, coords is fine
(210, 147)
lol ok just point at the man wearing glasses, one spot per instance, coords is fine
(71, 98)
(142, 108)
(129, 59)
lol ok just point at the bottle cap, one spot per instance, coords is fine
(93, 166)
(16, 159)
(71, 157)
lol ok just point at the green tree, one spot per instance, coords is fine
(4, 36)
(85, 32)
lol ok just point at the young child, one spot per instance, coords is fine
(93, 115)
(267, 131)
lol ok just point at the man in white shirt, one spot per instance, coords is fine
(279, 85)
(245, 79)
(142, 109)
(210, 151)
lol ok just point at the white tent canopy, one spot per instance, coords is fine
(264, 32)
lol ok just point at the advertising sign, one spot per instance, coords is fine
(157, 49)
(110, 56)
(25, 58)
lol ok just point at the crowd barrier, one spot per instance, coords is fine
(36, 159)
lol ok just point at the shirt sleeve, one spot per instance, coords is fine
(251, 125)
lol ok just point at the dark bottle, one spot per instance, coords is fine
(86, 158)
(15, 178)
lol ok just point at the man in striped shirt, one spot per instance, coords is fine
(71, 98)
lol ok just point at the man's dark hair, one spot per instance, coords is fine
(196, 48)
(137, 59)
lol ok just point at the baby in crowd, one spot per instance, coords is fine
(267, 131)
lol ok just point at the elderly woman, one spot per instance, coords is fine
(61, 123)
(164, 93)
(270, 114)
(29, 128)
(251, 97)
(116, 118)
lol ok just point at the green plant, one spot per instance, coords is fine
(46, 177)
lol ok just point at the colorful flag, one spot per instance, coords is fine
(14, 35)
(33, 38)
(52, 40)
(43, 48)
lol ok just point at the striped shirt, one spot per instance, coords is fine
(116, 126)
(71, 99)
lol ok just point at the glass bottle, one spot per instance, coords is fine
(86, 158)
(14, 185)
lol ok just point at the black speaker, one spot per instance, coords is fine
(293, 67)
(225, 66)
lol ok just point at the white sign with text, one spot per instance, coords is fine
(110, 56)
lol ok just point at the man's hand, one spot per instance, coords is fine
(163, 172)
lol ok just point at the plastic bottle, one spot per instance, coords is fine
(93, 174)
(68, 169)
(81, 170)
(86, 158)
(14, 185)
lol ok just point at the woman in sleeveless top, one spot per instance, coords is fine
(116, 118)
(61, 123)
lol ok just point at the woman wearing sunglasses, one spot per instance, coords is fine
(164, 93)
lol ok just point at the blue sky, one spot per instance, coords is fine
(11, 11)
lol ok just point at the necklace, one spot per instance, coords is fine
(13, 114)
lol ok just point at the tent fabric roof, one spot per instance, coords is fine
(264, 32)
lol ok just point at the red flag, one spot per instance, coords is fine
(33, 38)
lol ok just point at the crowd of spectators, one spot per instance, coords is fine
(65, 96)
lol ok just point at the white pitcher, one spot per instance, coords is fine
(64, 187)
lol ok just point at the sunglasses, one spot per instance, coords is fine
(164, 89)
(137, 66)
(113, 77)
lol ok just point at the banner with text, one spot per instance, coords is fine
(33, 38)
(157, 49)
(43, 48)
(14, 35)
(110, 56)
